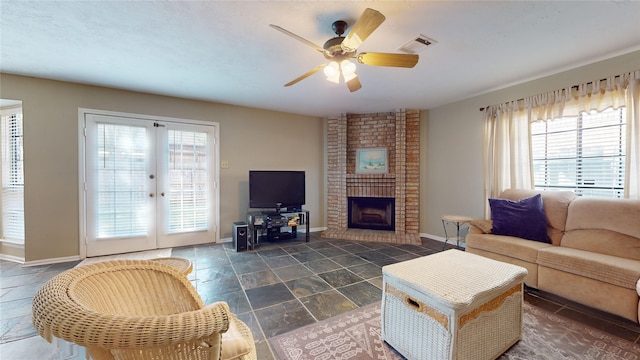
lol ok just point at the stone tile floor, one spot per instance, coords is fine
(276, 288)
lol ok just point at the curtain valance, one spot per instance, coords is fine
(571, 101)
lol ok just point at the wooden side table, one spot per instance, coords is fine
(459, 221)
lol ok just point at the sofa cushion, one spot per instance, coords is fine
(234, 342)
(610, 269)
(555, 205)
(514, 247)
(523, 218)
(607, 226)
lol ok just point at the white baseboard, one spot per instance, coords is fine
(432, 237)
(225, 240)
(12, 258)
(442, 239)
(52, 261)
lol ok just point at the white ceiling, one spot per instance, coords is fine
(225, 51)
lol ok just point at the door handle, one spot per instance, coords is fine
(151, 195)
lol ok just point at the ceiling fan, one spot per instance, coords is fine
(340, 49)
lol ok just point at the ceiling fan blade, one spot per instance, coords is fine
(366, 24)
(287, 32)
(386, 59)
(309, 73)
(354, 84)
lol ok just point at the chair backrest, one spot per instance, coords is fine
(130, 309)
(134, 291)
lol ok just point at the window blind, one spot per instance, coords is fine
(585, 154)
(12, 178)
(188, 210)
(121, 169)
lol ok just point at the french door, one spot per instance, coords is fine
(148, 184)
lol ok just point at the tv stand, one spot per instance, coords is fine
(269, 224)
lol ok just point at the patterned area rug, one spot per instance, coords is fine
(356, 335)
(140, 255)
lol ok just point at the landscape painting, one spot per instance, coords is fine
(372, 161)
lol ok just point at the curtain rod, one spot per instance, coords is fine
(573, 87)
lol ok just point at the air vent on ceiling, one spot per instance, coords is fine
(418, 44)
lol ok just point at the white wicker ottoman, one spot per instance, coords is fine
(452, 305)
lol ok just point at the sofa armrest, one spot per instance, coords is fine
(480, 226)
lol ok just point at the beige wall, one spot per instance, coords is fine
(249, 139)
(450, 152)
(452, 181)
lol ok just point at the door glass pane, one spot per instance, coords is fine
(121, 175)
(187, 209)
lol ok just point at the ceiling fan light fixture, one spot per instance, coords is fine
(334, 78)
(332, 68)
(348, 70)
(332, 72)
(347, 67)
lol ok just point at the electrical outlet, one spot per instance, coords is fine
(224, 164)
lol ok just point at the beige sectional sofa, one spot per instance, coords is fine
(593, 257)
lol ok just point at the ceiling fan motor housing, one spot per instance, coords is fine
(333, 49)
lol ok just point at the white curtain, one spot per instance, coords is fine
(632, 175)
(507, 150)
(507, 147)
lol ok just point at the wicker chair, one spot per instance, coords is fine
(137, 309)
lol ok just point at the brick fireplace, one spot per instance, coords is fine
(399, 133)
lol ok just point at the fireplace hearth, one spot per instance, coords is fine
(372, 213)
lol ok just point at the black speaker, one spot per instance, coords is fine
(240, 236)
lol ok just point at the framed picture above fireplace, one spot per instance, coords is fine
(372, 161)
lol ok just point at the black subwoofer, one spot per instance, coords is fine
(240, 236)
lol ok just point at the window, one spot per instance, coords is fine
(585, 154)
(12, 177)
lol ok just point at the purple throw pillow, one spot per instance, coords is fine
(524, 218)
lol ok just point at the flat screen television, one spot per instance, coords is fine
(275, 189)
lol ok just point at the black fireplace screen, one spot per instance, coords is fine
(372, 213)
